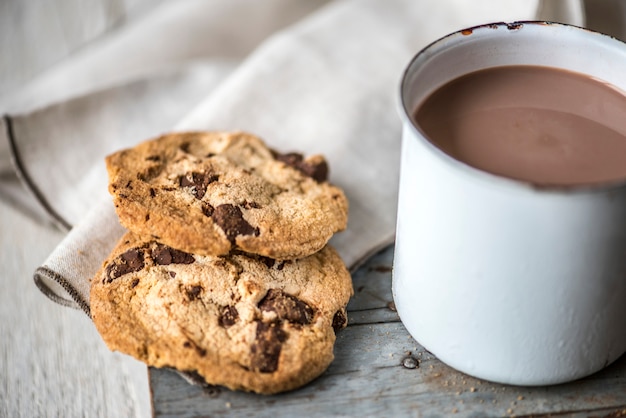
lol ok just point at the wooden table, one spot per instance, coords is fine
(379, 370)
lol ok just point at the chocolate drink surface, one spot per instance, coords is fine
(537, 124)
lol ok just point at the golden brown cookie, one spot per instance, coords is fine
(208, 193)
(242, 321)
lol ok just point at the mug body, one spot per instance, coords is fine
(499, 278)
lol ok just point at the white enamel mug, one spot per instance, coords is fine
(500, 279)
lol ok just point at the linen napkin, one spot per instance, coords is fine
(326, 84)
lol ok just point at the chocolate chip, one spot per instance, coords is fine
(250, 205)
(134, 283)
(127, 262)
(187, 180)
(164, 255)
(207, 209)
(287, 307)
(291, 158)
(172, 274)
(266, 347)
(152, 192)
(198, 182)
(318, 171)
(228, 316)
(230, 219)
(339, 320)
(193, 292)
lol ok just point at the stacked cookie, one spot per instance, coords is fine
(225, 271)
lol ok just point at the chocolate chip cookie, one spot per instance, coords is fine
(210, 192)
(243, 321)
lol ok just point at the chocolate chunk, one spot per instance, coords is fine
(266, 347)
(339, 320)
(287, 307)
(193, 292)
(207, 209)
(198, 182)
(230, 219)
(318, 171)
(134, 283)
(228, 316)
(164, 255)
(127, 262)
(291, 158)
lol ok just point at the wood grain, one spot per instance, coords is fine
(379, 370)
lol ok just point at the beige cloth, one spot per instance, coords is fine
(318, 77)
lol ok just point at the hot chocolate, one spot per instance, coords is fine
(537, 124)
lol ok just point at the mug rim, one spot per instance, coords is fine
(605, 186)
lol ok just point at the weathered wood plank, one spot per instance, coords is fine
(373, 375)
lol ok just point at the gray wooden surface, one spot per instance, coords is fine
(379, 370)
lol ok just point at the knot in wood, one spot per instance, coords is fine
(410, 362)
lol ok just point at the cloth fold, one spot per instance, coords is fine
(326, 84)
